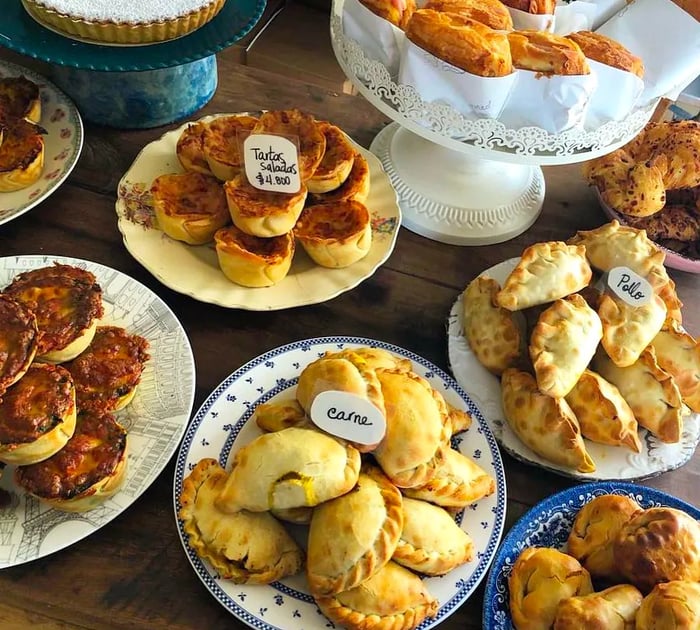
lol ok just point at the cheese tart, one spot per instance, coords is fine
(493, 13)
(67, 303)
(190, 149)
(20, 98)
(356, 186)
(398, 12)
(335, 234)
(189, 207)
(252, 261)
(547, 53)
(336, 163)
(221, 144)
(263, 213)
(19, 338)
(608, 51)
(536, 7)
(89, 469)
(21, 155)
(37, 415)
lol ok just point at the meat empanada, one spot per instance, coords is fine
(353, 536)
(546, 272)
(225, 540)
(287, 469)
(674, 605)
(563, 343)
(546, 425)
(374, 358)
(602, 413)
(431, 542)
(460, 419)
(614, 608)
(275, 416)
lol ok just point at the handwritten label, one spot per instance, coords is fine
(629, 286)
(271, 163)
(348, 416)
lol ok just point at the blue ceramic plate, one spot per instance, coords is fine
(548, 525)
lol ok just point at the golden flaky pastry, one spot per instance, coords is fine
(614, 608)
(602, 413)
(563, 343)
(493, 13)
(374, 358)
(337, 161)
(673, 605)
(221, 144)
(540, 579)
(392, 599)
(356, 185)
(18, 342)
(536, 7)
(546, 425)
(189, 149)
(397, 12)
(353, 536)
(495, 334)
(547, 53)
(278, 415)
(245, 547)
(289, 468)
(608, 51)
(545, 272)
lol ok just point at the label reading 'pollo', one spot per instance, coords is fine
(271, 163)
(348, 416)
(629, 286)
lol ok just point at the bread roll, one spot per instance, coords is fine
(493, 13)
(545, 52)
(537, 7)
(608, 51)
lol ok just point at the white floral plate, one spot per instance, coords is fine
(155, 419)
(195, 271)
(612, 462)
(222, 426)
(548, 524)
(62, 144)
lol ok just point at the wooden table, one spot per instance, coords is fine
(133, 573)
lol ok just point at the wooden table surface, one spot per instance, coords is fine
(133, 572)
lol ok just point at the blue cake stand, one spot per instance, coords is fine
(132, 87)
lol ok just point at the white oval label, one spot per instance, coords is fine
(629, 286)
(271, 163)
(348, 416)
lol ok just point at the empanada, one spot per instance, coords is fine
(563, 343)
(614, 608)
(373, 358)
(546, 272)
(674, 605)
(353, 536)
(431, 542)
(287, 469)
(225, 540)
(275, 416)
(460, 419)
(602, 413)
(546, 425)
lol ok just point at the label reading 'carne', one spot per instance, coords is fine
(348, 416)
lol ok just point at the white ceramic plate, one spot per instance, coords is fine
(62, 144)
(195, 271)
(155, 419)
(612, 462)
(222, 426)
(548, 524)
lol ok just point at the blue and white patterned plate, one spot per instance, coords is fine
(222, 426)
(548, 524)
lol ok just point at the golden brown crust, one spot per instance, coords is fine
(672, 222)
(492, 13)
(608, 51)
(18, 342)
(21, 155)
(20, 98)
(536, 7)
(221, 144)
(336, 163)
(613, 608)
(398, 13)
(546, 53)
(356, 186)
(674, 605)
(190, 149)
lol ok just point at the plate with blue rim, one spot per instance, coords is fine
(223, 424)
(548, 524)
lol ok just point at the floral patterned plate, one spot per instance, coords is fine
(548, 525)
(195, 271)
(62, 144)
(222, 426)
(612, 462)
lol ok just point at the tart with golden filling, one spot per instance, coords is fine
(356, 186)
(190, 149)
(336, 163)
(19, 337)
(20, 98)
(21, 155)
(222, 138)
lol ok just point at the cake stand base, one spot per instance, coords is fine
(139, 99)
(451, 197)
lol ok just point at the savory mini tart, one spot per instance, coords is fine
(19, 337)
(336, 163)
(190, 149)
(189, 207)
(37, 415)
(356, 185)
(252, 261)
(67, 302)
(221, 144)
(263, 213)
(20, 98)
(87, 470)
(21, 155)
(107, 372)
(335, 234)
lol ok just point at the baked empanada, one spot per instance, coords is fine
(287, 469)
(614, 608)
(353, 536)
(672, 605)
(373, 358)
(546, 272)
(246, 547)
(563, 343)
(275, 416)
(602, 413)
(460, 419)
(546, 425)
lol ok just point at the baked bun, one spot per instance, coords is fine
(21, 155)
(252, 261)
(336, 163)
(397, 12)
(492, 13)
(462, 42)
(20, 98)
(536, 7)
(221, 144)
(548, 53)
(189, 207)
(262, 213)
(356, 186)
(608, 51)
(190, 149)
(87, 470)
(335, 234)
(37, 415)
(18, 342)
(674, 605)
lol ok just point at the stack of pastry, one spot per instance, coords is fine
(577, 361)
(378, 514)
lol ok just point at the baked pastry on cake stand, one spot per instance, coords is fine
(137, 81)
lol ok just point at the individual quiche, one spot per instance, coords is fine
(19, 338)
(20, 98)
(337, 161)
(356, 185)
(222, 139)
(21, 155)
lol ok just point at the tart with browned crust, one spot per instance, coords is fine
(20, 98)
(19, 337)
(222, 138)
(21, 154)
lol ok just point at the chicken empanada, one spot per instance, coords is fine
(672, 605)
(546, 425)
(225, 540)
(546, 272)
(614, 608)
(563, 343)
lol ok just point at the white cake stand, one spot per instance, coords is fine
(463, 181)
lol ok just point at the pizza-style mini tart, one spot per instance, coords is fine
(190, 149)
(336, 163)
(356, 185)
(20, 98)
(221, 144)
(21, 155)
(19, 337)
